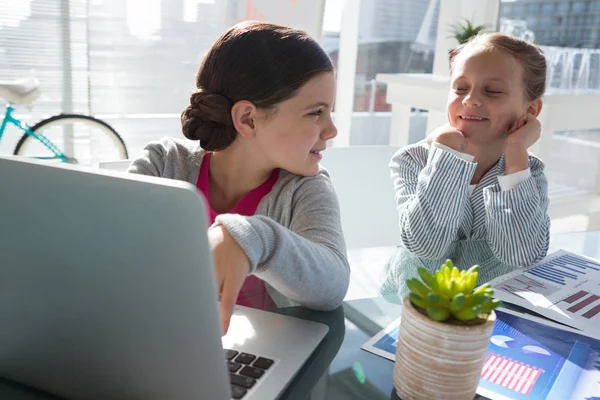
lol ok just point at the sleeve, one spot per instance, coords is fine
(509, 182)
(431, 199)
(464, 156)
(150, 162)
(518, 225)
(307, 263)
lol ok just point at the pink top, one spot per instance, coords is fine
(253, 293)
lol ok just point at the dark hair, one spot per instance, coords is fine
(255, 61)
(528, 54)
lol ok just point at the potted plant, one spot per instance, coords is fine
(464, 31)
(444, 335)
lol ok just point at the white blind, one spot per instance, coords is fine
(143, 57)
(128, 56)
(46, 39)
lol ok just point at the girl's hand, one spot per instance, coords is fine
(449, 136)
(523, 133)
(231, 269)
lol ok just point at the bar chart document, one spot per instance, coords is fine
(563, 286)
(528, 358)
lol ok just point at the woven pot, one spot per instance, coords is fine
(436, 360)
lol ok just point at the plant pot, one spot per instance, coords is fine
(439, 360)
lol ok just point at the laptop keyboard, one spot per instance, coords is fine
(244, 370)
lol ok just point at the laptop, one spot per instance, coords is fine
(107, 291)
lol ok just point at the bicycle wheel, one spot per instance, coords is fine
(82, 139)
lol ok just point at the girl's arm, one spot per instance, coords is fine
(518, 226)
(432, 193)
(306, 262)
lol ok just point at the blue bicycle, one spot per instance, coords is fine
(70, 138)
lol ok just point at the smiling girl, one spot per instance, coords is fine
(471, 191)
(260, 118)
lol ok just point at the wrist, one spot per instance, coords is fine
(516, 159)
(451, 142)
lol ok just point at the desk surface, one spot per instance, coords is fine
(339, 369)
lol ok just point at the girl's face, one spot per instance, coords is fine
(293, 136)
(487, 94)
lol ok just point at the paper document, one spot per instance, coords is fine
(528, 358)
(563, 286)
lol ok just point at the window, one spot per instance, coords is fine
(127, 63)
(34, 43)
(533, 8)
(519, 9)
(563, 7)
(394, 36)
(547, 8)
(147, 65)
(546, 22)
(571, 38)
(580, 6)
(508, 10)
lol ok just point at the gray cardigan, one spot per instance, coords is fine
(294, 241)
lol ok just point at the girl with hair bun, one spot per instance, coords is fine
(261, 118)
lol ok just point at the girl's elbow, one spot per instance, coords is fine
(334, 297)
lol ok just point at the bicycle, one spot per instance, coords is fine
(62, 137)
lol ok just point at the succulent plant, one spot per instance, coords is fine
(451, 294)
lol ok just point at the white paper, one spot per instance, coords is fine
(563, 286)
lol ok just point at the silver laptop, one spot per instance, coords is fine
(107, 292)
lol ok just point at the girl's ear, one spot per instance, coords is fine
(535, 108)
(243, 115)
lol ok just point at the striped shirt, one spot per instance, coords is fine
(499, 230)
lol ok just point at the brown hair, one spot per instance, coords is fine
(528, 54)
(255, 61)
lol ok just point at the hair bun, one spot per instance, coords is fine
(208, 119)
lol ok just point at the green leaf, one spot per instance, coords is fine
(492, 305)
(468, 314)
(434, 298)
(473, 269)
(425, 276)
(457, 303)
(483, 288)
(438, 314)
(455, 273)
(460, 284)
(462, 32)
(439, 283)
(453, 288)
(416, 286)
(419, 301)
(471, 282)
(434, 286)
(447, 270)
(475, 299)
